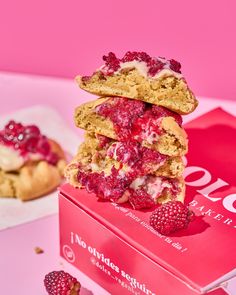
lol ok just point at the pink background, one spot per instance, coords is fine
(64, 38)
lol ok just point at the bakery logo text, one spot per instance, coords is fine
(207, 188)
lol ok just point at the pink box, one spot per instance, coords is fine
(118, 249)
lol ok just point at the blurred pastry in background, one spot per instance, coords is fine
(31, 165)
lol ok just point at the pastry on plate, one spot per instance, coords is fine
(124, 119)
(31, 165)
(139, 76)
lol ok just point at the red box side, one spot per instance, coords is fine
(109, 260)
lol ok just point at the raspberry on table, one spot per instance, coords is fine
(171, 217)
(61, 283)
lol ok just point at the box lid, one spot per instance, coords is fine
(203, 255)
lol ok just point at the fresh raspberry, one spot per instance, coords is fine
(175, 65)
(134, 55)
(61, 283)
(154, 66)
(170, 217)
(140, 199)
(112, 63)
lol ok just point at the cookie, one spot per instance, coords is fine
(124, 119)
(31, 181)
(7, 187)
(142, 192)
(31, 165)
(99, 153)
(125, 171)
(138, 76)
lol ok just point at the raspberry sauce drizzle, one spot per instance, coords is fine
(27, 140)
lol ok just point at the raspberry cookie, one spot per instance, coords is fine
(139, 76)
(99, 153)
(124, 119)
(31, 164)
(125, 171)
(141, 192)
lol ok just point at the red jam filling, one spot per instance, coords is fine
(135, 120)
(27, 139)
(110, 187)
(139, 161)
(140, 199)
(103, 140)
(155, 65)
(115, 186)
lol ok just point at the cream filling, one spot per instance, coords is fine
(148, 134)
(155, 188)
(138, 182)
(166, 72)
(153, 185)
(112, 151)
(10, 159)
(94, 167)
(142, 68)
(151, 137)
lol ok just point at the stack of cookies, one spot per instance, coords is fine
(134, 140)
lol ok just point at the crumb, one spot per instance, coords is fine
(38, 250)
